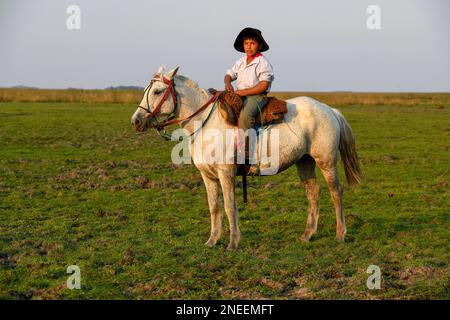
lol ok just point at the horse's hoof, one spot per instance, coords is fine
(340, 239)
(232, 247)
(305, 238)
(210, 243)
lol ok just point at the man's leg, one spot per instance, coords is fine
(252, 105)
(250, 110)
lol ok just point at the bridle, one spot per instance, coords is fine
(171, 91)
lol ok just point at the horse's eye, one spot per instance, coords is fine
(156, 92)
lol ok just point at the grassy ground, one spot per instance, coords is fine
(78, 186)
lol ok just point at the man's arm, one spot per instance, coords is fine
(228, 86)
(261, 87)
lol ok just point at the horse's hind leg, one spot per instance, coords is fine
(306, 170)
(330, 174)
(213, 189)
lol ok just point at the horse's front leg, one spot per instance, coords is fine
(227, 181)
(213, 189)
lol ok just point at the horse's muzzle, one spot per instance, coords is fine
(139, 124)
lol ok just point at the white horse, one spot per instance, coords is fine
(311, 133)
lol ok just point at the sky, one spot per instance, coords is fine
(315, 45)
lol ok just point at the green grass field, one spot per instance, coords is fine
(78, 186)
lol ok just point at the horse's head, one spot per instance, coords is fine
(159, 103)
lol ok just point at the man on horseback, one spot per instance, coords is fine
(254, 75)
(312, 135)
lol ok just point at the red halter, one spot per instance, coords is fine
(171, 90)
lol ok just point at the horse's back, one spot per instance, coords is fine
(308, 106)
(309, 127)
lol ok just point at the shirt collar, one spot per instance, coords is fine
(254, 61)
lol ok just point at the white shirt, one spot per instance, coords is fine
(249, 75)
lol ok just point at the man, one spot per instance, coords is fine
(254, 75)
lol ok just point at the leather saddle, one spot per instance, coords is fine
(230, 105)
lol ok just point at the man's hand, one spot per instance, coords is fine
(228, 85)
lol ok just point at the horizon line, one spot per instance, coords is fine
(138, 88)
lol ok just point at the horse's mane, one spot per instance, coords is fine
(190, 83)
(187, 82)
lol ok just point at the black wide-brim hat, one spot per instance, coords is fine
(251, 33)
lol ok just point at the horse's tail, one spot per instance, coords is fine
(347, 148)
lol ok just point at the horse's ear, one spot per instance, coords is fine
(160, 70)
(172, 73)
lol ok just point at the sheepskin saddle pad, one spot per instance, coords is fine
(230, 105)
